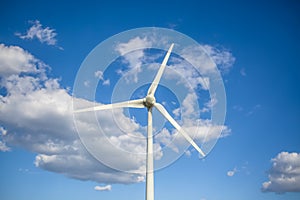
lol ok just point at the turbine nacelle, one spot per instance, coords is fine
(149, 101)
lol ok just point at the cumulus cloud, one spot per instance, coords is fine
(133, 53)
(186, 74)
(36, 114)
(202, 130)
(43, 34)
(15, 60)
(103, 188)
(284, 175)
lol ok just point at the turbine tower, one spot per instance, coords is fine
(149, 102)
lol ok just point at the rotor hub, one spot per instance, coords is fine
(149, 101)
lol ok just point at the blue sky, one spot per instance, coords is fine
(255, 45)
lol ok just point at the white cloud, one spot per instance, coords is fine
(238, 108)
(247, 111)
(223, 58)
(99, 74)
(254, 109)
(176, 112)
(3, 147)
(205, 131)
(232, 172)
(284, 175)
(188, 153)
(43, 34)
(166, 138)
(241, 169)
(185, 72)
(3, 131)
(86, 83)
(23, 170)
(134, 56)
(189, 104)
(103, 188)
(201, 130)
(15, 60)
(182, 72)
(208, 106)
(243, 72)
(133, 44)
(106, 82)
(36, 114)
(133, 53)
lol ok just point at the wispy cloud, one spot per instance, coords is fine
(86, 83)
(243, 72)
(232, 172)
(222, 57)
(253, 109)
(238, 108)
(43, 34)
(3, 147)
(103, 188)
(239, 169)
(284, 175)
(247, 111)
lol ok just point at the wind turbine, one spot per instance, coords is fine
(149, 102)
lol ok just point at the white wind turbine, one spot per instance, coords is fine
(149, 102)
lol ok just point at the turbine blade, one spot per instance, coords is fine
(165, 113)
(156, 80)
(149, 166)
(126, 104)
